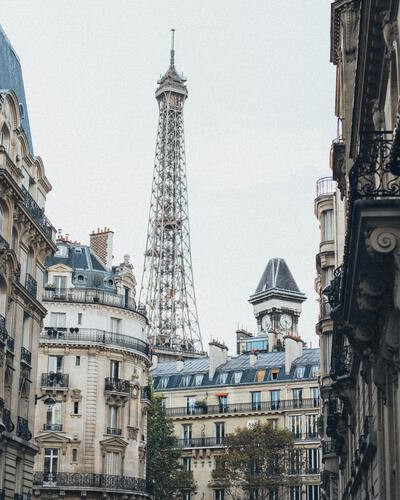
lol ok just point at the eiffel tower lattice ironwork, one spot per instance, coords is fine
(167, 285)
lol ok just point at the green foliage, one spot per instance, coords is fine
(163, 469)
(255, 461)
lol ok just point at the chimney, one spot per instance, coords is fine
(180, 364)
(293, 350)
(218, 356)
(253, 358)
(101, 244)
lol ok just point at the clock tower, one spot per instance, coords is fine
(277, 303)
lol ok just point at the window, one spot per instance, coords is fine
(312, 429)
(164, 402)
(115, 325)
(297, 398)
(5, 138)
(273, 375)
(260, 374)
(62, 251)
(187, 464)
(275, 398)
(187, 433)
(112, 463)
(327, 225)
(50, 463)
(256, 401)
(53, 418)
(313, 461)
(295, 493)
(76, 408)
(295, 425)
(61, 284)
(223, 403)
(198, 379)
(185, 380)
(190, 405)
(187, 495)
(113, 416)
(55, 364)
(74, 454)
(162, 384)
(314, 391)
(222, 378)
(77, 361)
(299, 372)
(114, 369)
(312, 492)
(237, 377)
(273, 422)
(79, 318)
(26, 331)
(313, 371)
(219, 495)
(58, 320)
(296, 461)
(219, 432)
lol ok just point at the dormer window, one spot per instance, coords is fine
(198, 379)
(185, 381)
(273, 374)
(163, 382)
(222, 378)
(299, 372)
(237, 377)
(314, 371)
(260, 374)
(62, 251)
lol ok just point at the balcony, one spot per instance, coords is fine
(86, 336)
(264, 406)
(114, 431)
(334, 290)
(37, 214)
(201, 442)
(341, 362)
(26, 356)
(10, 344)
(93, 296)
(117, 385)
(54, 380)
(325, 186)
(31, 285)
(3, 329)
(328, 448)
(338, 163)
(52, 427)
(23, 429)
(100, 482)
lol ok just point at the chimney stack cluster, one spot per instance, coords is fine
(101, 244)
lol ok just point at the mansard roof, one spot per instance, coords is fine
(11, 79)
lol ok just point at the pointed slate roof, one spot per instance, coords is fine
(11, 79)
(277, 279)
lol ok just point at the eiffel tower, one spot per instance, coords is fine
(167, 286)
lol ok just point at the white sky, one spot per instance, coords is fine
(258, 122)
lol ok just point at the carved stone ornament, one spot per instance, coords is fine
(76, 395)
(371, 292)
(390, 33)
(385, 241)
(378, 115)
(132, 432)
(350, 18)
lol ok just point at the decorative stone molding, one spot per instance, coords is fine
(76, 395)
(349, 25)
(390, 33)
(132, 432)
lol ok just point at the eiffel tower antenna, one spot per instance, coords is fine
(167, 284)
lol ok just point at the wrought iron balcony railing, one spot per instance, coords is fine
(31, 285)
(23, 429)
(3, 329)
(333, 290)
(37, 213)
(201, 442)
(328, 448)
(90, 335)
(54, 379)
(26, 356)
(263, 406)
(325, 186)
(341, 362)
(95, 481)
(52, 427)
(117, 385)
(7, 420)
(93, 296)
(10, 344)
(114, 431)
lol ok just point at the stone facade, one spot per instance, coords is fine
(360, 386)
(274, 379)
(93, 362)
(26, 239)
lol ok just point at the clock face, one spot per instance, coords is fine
(266, 323)
(286, 321)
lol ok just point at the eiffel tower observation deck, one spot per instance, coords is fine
(167, 285)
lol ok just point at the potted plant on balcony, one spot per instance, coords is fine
(201, 406)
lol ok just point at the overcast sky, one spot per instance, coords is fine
(258, 122)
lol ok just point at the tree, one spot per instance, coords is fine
(164, 471)
(256, 462)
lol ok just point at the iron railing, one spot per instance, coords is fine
(26, 355)
(201, 442)
(3, 329)
(328, 448)
(341, 362)
(37, 213)
(333, 290)
(90, 335)
(93, 295)
(54, 379)
(52, 427)
(117, 385)
(7, 420)
(325, 186)
(23, 429)
(10, 344)
(97, 481)
(31, 285)
(114, 430)
(263, 406)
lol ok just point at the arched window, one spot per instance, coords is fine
(5, 137)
